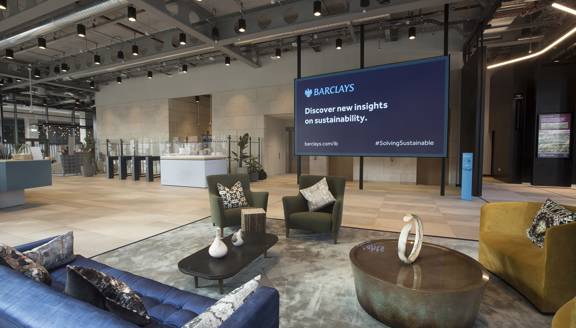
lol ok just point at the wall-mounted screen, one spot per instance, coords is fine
(554, 135)
(391, 110)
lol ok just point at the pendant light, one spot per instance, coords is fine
(36, 73)
(97, 60)
(3, 4)
(364, 4)
(120, 55)
(42, 43)
(182, 39)
(150, 74)
(197, 99)
(338, 44)
(119, 79)
(64, 67)
(317, 8)
(241, 25)
(92, 84)
(412, 33)
(9, 54)
(227, 61)
(131, 14)
(81, 30)
(278, 53)
(215, 34)
(184, 68)
(135, 50)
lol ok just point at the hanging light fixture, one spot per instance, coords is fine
(241, 25)
(3, 4)
(278, 53)
(92, 84)
(412, 33)
(131, 14)
(120, 55)
(215, 34)
(184, 68)
(135, 50)
(97, 60)
(64, 67)
(42, 43)
(150, 74)
(317, 8)
(364, 4)
(9, 54)
(36, 73)
(197, 99)
(81, 30)
(227, 61)
(338, 43)
(119, 79)
(182, 39)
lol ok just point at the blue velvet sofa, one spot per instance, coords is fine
(26, 303)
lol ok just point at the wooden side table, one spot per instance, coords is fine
(253, 220)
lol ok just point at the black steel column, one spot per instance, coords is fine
(15, 119)
(446, 53)
(1, 118)
(298, 75)
(46, 131)
(362, 64)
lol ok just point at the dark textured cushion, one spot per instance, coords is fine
(19, 262)
(551, 214)
(232, 197)
(80, 288)
(55, 253)
(115, 296)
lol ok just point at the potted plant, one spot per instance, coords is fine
(254, 168)
(241, 156)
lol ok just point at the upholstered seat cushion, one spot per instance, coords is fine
(168, 306)
(313, 221)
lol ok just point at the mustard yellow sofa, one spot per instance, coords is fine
(566, 316)
(546, 276)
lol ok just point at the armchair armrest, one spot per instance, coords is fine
(293, 204)
(512, 218)
(337, 215)
(559, 246)
(260, 199)
(217, 209)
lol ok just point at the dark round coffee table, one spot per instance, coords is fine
(443, 288)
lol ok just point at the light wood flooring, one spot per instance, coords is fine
(105, 214)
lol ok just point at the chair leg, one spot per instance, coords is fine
(335, 236)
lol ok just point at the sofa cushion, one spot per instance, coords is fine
(56, 252)
(551, 214)
(314, 221)
(232, 197)
(318, 195)
(17, 261)
(167, 306)
(111, 294)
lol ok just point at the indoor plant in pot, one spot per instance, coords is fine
(241, 156)
(254, 168)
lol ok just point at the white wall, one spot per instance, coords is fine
(242, 96)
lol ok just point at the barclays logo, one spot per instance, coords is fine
(330, 90)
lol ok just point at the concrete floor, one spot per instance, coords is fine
(105, 214)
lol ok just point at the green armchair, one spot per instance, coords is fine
(222, 217)
(327, 219)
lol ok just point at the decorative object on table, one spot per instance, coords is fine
(55, 253)
(411, 220)
(233, 197)
(218, 248)
(14, 259)
(297, 214)
(551, 214)
(318, 195)
(253, 220)
(107, 293)
(216, 314)
(223, 217)
(237, 239)
(423, 294)
(545, 276)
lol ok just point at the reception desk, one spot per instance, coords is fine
(190, 170)
(15, 176)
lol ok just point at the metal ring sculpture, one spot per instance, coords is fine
(410, 219)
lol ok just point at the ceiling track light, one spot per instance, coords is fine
(81, 30)
(64, 67)
(412, 33)
(135, 51)
(131, 13)
(36, 73)
(184, 68)
(227, 61)
(42, 43)
(3, 4)
(120, 55)
(119, 79)
(92, 84)
(317, 8)
(215, 34)
(182, 39)
(241, 25)
(97, 60)
(150, 74)
(278, 53)
(9, 54)
(338, 44)
(197, 99)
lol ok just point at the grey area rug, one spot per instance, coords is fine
(313, 276)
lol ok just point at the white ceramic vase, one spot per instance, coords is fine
(237, 239)
(218, 249)
(410, 219)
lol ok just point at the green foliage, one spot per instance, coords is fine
(241, 155)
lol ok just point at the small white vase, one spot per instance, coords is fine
(237, 239)
(218, 249)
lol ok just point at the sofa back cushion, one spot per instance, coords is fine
(57, 252)
(17, 261)
(551, 214)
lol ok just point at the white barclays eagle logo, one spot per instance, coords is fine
(330, 90)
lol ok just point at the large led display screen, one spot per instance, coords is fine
(391, 110)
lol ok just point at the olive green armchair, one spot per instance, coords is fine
(222, 217)
(546, 276)
(327, 219)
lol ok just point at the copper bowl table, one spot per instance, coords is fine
(443, 288)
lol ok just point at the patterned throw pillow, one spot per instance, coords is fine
(55, 253)
(14, 259)
(551, 214)
(318, 195)
(216, 314)
(115, 296)
(232, 197)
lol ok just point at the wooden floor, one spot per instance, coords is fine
(105, 214)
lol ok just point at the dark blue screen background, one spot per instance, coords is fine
(417, 97)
